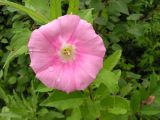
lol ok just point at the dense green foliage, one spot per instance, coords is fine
(127, 88)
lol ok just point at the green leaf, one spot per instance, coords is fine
(97, 5)
(55, 9)
(40, 6)
(62, 101)
(4, 40)
(1, 74)
(10, 115)
(14, 54)
(150, 110)
(136, 30)
(42, 88)
(90, 110)
(118, 6)
(36, 16)
(117, 111)
(94, 108)
(157, 97)
(75, 115)
(101, 20)
(115, 105)
(117, 73)
(101, 91)
(109, 79)
(17, 40)
(112, 60)
(134, 17)
(126, 89)
(3, 95)
(12, 80)
(135, 102)
(133, 75)
(44, 114)
(73, 7)
(22, 107)
(86, 15)
(105, 115)
(154, 78)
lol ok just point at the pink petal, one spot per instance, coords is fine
(92, 47)
(40, 61)
(38, 42)
(41, 51)
(66, 79)
(58, 76)
(52, 32)
(87, 41)
(50, 76)
(68, 25)
(84, 31)
(82, 79)
(88, 67)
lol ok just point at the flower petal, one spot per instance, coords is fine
(92, 47)
(52, 32)
(59, 77)
(88, 67)
(68, 25)
(38, 42)
(82, 79)
(41, 51)
(84, 32)
(50, 76)
(87, 41)
(66, 79)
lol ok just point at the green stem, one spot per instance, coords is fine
(90, 93)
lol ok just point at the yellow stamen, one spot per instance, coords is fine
(67, 52)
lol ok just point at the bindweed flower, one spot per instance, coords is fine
(66, 54)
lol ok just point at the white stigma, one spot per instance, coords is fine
(67, 52)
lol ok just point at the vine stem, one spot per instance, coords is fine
(90, 93)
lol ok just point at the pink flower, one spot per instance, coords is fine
(66, 54)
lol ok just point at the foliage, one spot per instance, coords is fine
(127, 88)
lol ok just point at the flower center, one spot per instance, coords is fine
(67, 52)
